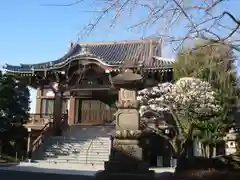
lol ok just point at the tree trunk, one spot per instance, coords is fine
(182, 153)
(212, 149)
(202, 150)
(57, 114)
(205, 150)
(190, 149)
(182, 157)
(184, 147)
(208, 150)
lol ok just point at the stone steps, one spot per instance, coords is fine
(89, 161)
(83, 159)
(79, 149)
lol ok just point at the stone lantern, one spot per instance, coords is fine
(126, 155)
(230, 142)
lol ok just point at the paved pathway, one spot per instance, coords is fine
(28, 171)
(18, 175)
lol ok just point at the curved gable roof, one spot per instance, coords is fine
(109, 53)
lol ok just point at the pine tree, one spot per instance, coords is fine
(14, 105)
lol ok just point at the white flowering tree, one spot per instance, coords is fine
(190, 101)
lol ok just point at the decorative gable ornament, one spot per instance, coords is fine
(84, 51)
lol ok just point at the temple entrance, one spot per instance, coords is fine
(90, 111)
(93, 112)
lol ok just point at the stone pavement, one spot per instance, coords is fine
(56, 171)
(18, 175)
(52, 168)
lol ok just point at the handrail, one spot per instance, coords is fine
(39, 118)
(38, 141)
(88, 150)
(42, 113)
(47, 128)
(110, 144)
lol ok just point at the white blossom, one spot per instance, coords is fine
(187, 94)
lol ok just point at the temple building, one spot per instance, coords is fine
(83, 78)
(78, 90)
(79, 85)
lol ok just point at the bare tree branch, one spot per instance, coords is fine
(193, 19)
(62, 5)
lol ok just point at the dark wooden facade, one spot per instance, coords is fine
(81, 109)
(79, 83)
(89, 101)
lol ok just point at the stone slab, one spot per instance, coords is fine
(127, 95)
(127, 119)
(105, 175)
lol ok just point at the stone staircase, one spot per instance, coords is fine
(78, 145)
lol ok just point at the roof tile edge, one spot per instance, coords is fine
(147, 40)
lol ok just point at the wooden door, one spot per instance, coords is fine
(94, 112)
(90, 111)
(84, 111)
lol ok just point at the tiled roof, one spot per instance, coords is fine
(110, 53)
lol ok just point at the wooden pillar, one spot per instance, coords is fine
(71, 110)
(38, 101)
(64, 106)
(38, 105)
(57, 113)
(76, 117)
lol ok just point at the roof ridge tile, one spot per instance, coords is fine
(147, 40)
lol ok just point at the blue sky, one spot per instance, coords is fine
(31, 33)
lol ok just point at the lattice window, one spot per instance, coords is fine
(47, 106)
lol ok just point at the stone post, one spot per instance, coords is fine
(127, 124)
(127, 116)
(126, 155)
